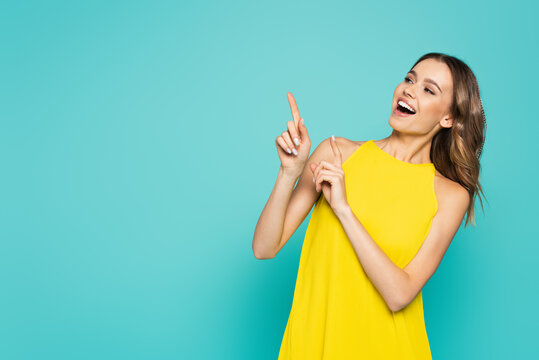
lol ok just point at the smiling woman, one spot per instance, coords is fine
(385, 212)
(452, 88)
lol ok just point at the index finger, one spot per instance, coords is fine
(293, 108)
(337, 155)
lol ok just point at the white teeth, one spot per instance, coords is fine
(403, 104)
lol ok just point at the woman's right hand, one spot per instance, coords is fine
(293, 154)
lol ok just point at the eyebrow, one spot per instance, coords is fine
(427, 80)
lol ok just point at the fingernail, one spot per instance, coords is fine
(289, 151)
(333, 137)
(295, 151)
(313, 179)
(302, 122)
(296, 141)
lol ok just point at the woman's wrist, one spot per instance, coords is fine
(344, 212)
(292, 174)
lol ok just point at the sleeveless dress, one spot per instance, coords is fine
(336, 312)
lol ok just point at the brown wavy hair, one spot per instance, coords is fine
(456, 151)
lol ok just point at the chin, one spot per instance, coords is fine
(394, 123)
(400, 124)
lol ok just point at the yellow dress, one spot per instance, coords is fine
(336, 312)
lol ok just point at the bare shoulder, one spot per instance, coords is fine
(347, 147)
(450, 194)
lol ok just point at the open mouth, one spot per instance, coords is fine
(404, 108)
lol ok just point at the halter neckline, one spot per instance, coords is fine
(397, 160)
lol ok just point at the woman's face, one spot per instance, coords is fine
(428, 90)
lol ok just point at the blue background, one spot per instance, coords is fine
(137, 144)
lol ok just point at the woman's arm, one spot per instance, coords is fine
(399, 286)
(287, 207)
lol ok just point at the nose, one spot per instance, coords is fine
(409, 90)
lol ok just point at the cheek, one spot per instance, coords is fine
(431, 107)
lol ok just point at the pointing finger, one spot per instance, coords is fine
(293, 108)
(337, 155)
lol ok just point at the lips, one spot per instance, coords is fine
(402, 110)
(407, 103)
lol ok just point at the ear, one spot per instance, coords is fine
(447, 121)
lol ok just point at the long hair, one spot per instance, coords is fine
(456, 151)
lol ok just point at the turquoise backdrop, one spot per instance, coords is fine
(137, 143)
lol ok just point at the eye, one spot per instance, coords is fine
(429, 90)
(407, 79)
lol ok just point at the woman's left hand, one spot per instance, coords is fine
(329, 177)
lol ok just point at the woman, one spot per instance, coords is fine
(386, 211)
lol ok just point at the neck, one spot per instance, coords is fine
(412, 149)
